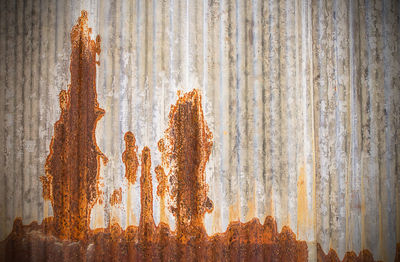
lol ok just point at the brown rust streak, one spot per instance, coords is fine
(74, 159)
(129, 157)
(162, 189)
(364, 256)
(116, 197)
(47, 188)
(146, 223)
(187, 144)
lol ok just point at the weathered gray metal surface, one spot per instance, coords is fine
(303, 99)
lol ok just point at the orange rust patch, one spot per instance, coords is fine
(146, 223)
(146, 190)
(47, 191)
(129, 157)
(116, 197)
(162, 189)
(73, 162)
(187, 145)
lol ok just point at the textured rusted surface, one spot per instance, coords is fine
(162, 190)
(187, 147)
(74, 159)
(363, 256)
(146, 193)
(249, 241)
(47, 187)
(116, 197)
(129, 157)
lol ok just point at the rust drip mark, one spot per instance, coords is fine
(129, 157)
(162, 189)
(74, 159)
(116, 197)
(187, 146)
(146, 223)
(146, 190)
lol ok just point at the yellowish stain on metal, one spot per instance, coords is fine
(251, 205)
(47, 202)
(163, 215)
(130, 216)
(216, 222)
(303, 213)
(115, 215)
(234, 214)
(98, 214)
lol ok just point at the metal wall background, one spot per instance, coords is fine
(302, 97)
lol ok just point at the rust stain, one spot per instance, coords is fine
(71, 183)
(187, 144)
(47, 188)
(303, 220)
(251, 206)
(162, 189)
(129, 157)
(249, 241)
(116, 197)
(146, 223)
(397, 258)
(364, 256)
(146, 191)
(73, 162)
(234, 211)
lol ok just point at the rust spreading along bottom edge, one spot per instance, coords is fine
(249, 241)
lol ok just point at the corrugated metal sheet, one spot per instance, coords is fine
(302, 98)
